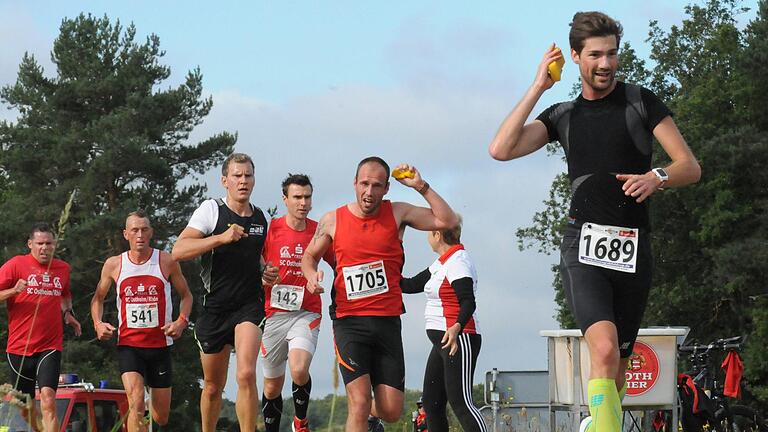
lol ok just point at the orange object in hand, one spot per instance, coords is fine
(400, 174)
(555, 68)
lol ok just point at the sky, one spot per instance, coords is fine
(313, 87)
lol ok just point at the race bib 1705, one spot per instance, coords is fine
(287, 297)
(142, 315)
(609, 247)
(365, 280)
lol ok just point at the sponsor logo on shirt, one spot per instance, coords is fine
(284, 253)
(256, 230)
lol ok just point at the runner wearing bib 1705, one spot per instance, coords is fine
(143, 277)
(366, 238)
(606, 260)
(35, 289)
(293, 314)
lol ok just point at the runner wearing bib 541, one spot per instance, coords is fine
(143, 277)
(606, 259)
(366, 300)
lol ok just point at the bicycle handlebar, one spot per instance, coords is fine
(732, 343)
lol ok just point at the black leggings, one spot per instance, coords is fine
(449, 379)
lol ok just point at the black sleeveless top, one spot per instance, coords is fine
(232, 273)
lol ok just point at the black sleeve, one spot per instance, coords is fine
(656, 109)
(465, 292)
(546, 118)
(415, 284)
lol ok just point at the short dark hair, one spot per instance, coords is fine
(141, 214)
(592, 24)
(41, 227)
(236, 158)
(452, 236)
(373, 159)
(295, 179)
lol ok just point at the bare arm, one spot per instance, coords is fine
(20, 286)
(439, 215)
(179, 283)
(193, 243)
(103, 330)
(321, 241)
(514, 138)
(683, 170)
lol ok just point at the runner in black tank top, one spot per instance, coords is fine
(229, 235)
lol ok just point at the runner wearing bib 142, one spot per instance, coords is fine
(293, 314)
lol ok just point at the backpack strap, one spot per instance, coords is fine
(637, 119)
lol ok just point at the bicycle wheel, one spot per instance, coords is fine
(742, 419)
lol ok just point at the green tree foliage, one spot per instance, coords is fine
(710, 239)
(104, 127)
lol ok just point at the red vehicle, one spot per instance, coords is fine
(80, 407)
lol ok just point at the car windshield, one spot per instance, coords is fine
(11, 419)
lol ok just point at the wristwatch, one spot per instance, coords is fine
(662, 175)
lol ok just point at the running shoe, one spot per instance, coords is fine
(585, 424)
(300, 425)
(375, 424)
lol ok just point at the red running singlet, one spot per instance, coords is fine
(143, 303)
(369, 263)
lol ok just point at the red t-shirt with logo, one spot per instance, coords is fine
(45, 287)
(284, 247)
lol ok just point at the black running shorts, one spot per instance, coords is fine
(214, 330)
(43, 367)
(154, 364)
(370, 346)
(599, 294)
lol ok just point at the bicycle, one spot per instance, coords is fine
(724, 416)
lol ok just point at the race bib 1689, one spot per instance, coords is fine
(609, 247)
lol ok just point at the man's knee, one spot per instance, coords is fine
(212, 390)
(160, 417)
(246, 377)
(389, 413)
(273, 387)
(47, 401)
(604, 352)
(359, 404)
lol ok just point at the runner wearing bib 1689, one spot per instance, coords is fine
(143, 277)
(605, 253)
(366, 238)
(293, 314)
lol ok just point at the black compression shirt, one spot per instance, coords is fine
(600, 146)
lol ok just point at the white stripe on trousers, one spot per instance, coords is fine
(466, 380)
